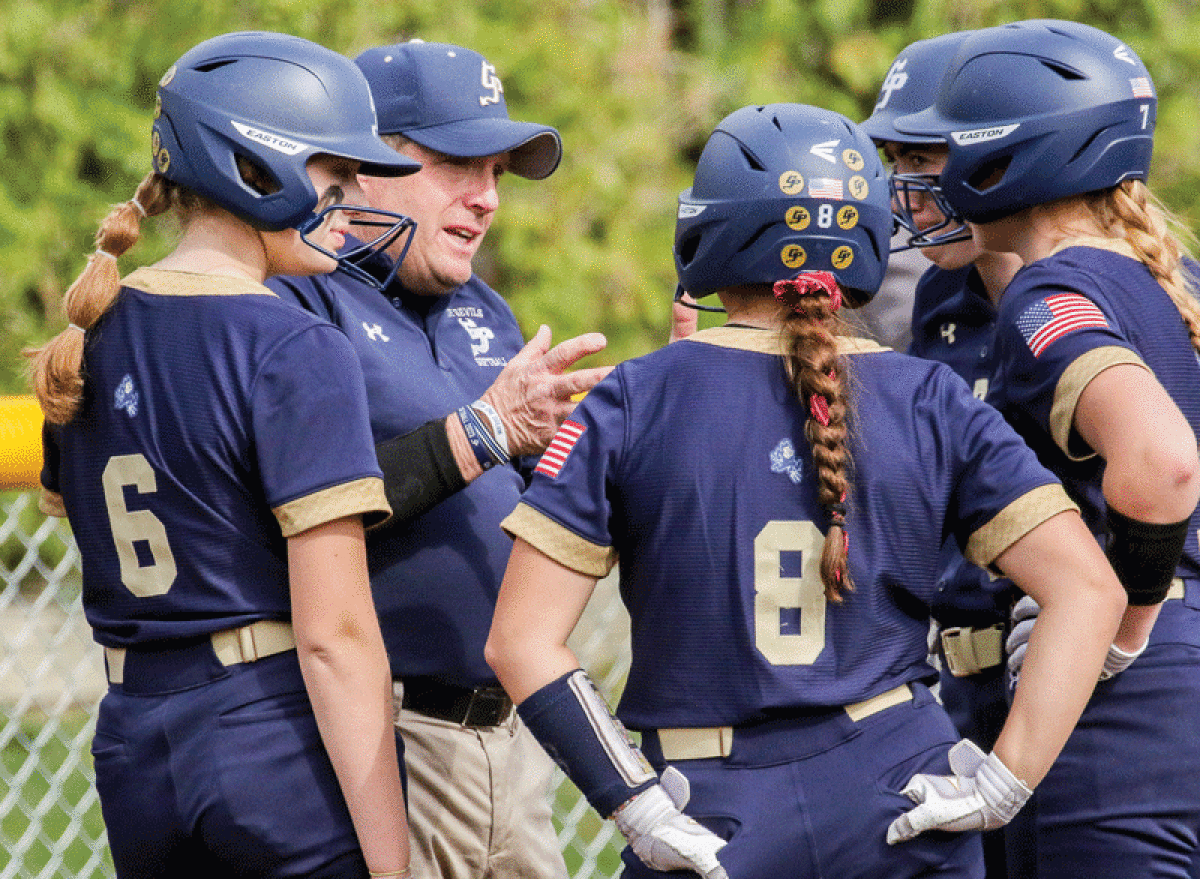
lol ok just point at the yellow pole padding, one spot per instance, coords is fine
(20, 443)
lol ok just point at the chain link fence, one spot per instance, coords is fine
(52, 679)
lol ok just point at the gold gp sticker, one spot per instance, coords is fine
(858, 187)
(793, 256)
(853, 159)
(847, 217)
(791, 183)
(842, 257)
(797, 218)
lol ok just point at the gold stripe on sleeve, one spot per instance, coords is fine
(1070, 387)
(51, 503)
(363, 497)
(559, 543)
(1015, 521)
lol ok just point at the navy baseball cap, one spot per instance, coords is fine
(449, 99)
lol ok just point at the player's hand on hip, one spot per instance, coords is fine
(1024, 615)
(663, 837)
(982, 794)
(532, 394)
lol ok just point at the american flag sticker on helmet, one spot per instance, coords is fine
(1056, 316)
(560, 447)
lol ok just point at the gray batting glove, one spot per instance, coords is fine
(1024, 615)
(662, 836)
(981, 795)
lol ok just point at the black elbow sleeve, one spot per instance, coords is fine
(1144, 555)
(419, 470)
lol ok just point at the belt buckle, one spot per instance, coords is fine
(486, 708)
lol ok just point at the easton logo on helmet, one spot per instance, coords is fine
(982, 135)
(267, 139)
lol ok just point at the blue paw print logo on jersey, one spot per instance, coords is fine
(784, 460)
(126, 396)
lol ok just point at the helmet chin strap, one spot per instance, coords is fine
(679, 291)
(394, 225)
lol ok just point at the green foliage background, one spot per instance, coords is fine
(634, 86)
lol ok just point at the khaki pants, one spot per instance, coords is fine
(478, 801)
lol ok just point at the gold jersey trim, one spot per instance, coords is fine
(166, 282)
(770, 341)
(559, 543)
(51, 503)
(1070, 387)
(363, 497)
(1015, 521)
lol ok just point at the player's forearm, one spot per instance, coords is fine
(1062, 664)
(350, 688)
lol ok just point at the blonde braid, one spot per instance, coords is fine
(819, 378)
(57, 367)
(1132, 212)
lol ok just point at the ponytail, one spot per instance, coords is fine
(57, 367)
(819, 378)
(1131, 212)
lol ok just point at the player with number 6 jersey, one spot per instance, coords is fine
(776, 493)
(210, 446)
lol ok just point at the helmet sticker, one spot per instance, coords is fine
(853, 160)
(847, 217)
(1141, 87)
(1122, 53)
(793, 256)
(982, 135)
(791, 183)
(797, 218)
(825, 187)
(842, 257)
(690, 210)
(825, 150)
(858, 187)
(272, 141)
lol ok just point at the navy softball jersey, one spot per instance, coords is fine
(217, 422)
(424, 357)
(1123, 799)
(691, 467)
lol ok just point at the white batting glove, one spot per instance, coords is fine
(1118, 660)
(981, 795)
(662, 836)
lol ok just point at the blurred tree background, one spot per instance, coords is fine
(635, 86)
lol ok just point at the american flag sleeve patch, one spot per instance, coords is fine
(560, 447)
(1055, 316)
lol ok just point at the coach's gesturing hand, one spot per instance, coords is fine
(532, 395)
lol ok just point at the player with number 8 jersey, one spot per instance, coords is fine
(775, 493)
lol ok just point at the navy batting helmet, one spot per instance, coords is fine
(275, 101)
(781, 189)
(1035, 111)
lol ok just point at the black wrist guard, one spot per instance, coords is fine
(1144, 555)
(419, 470)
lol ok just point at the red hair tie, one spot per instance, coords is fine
(789, 290)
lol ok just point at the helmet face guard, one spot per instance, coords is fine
(1037, 111)
(782, 189)
(390, 226)
(904, 188)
